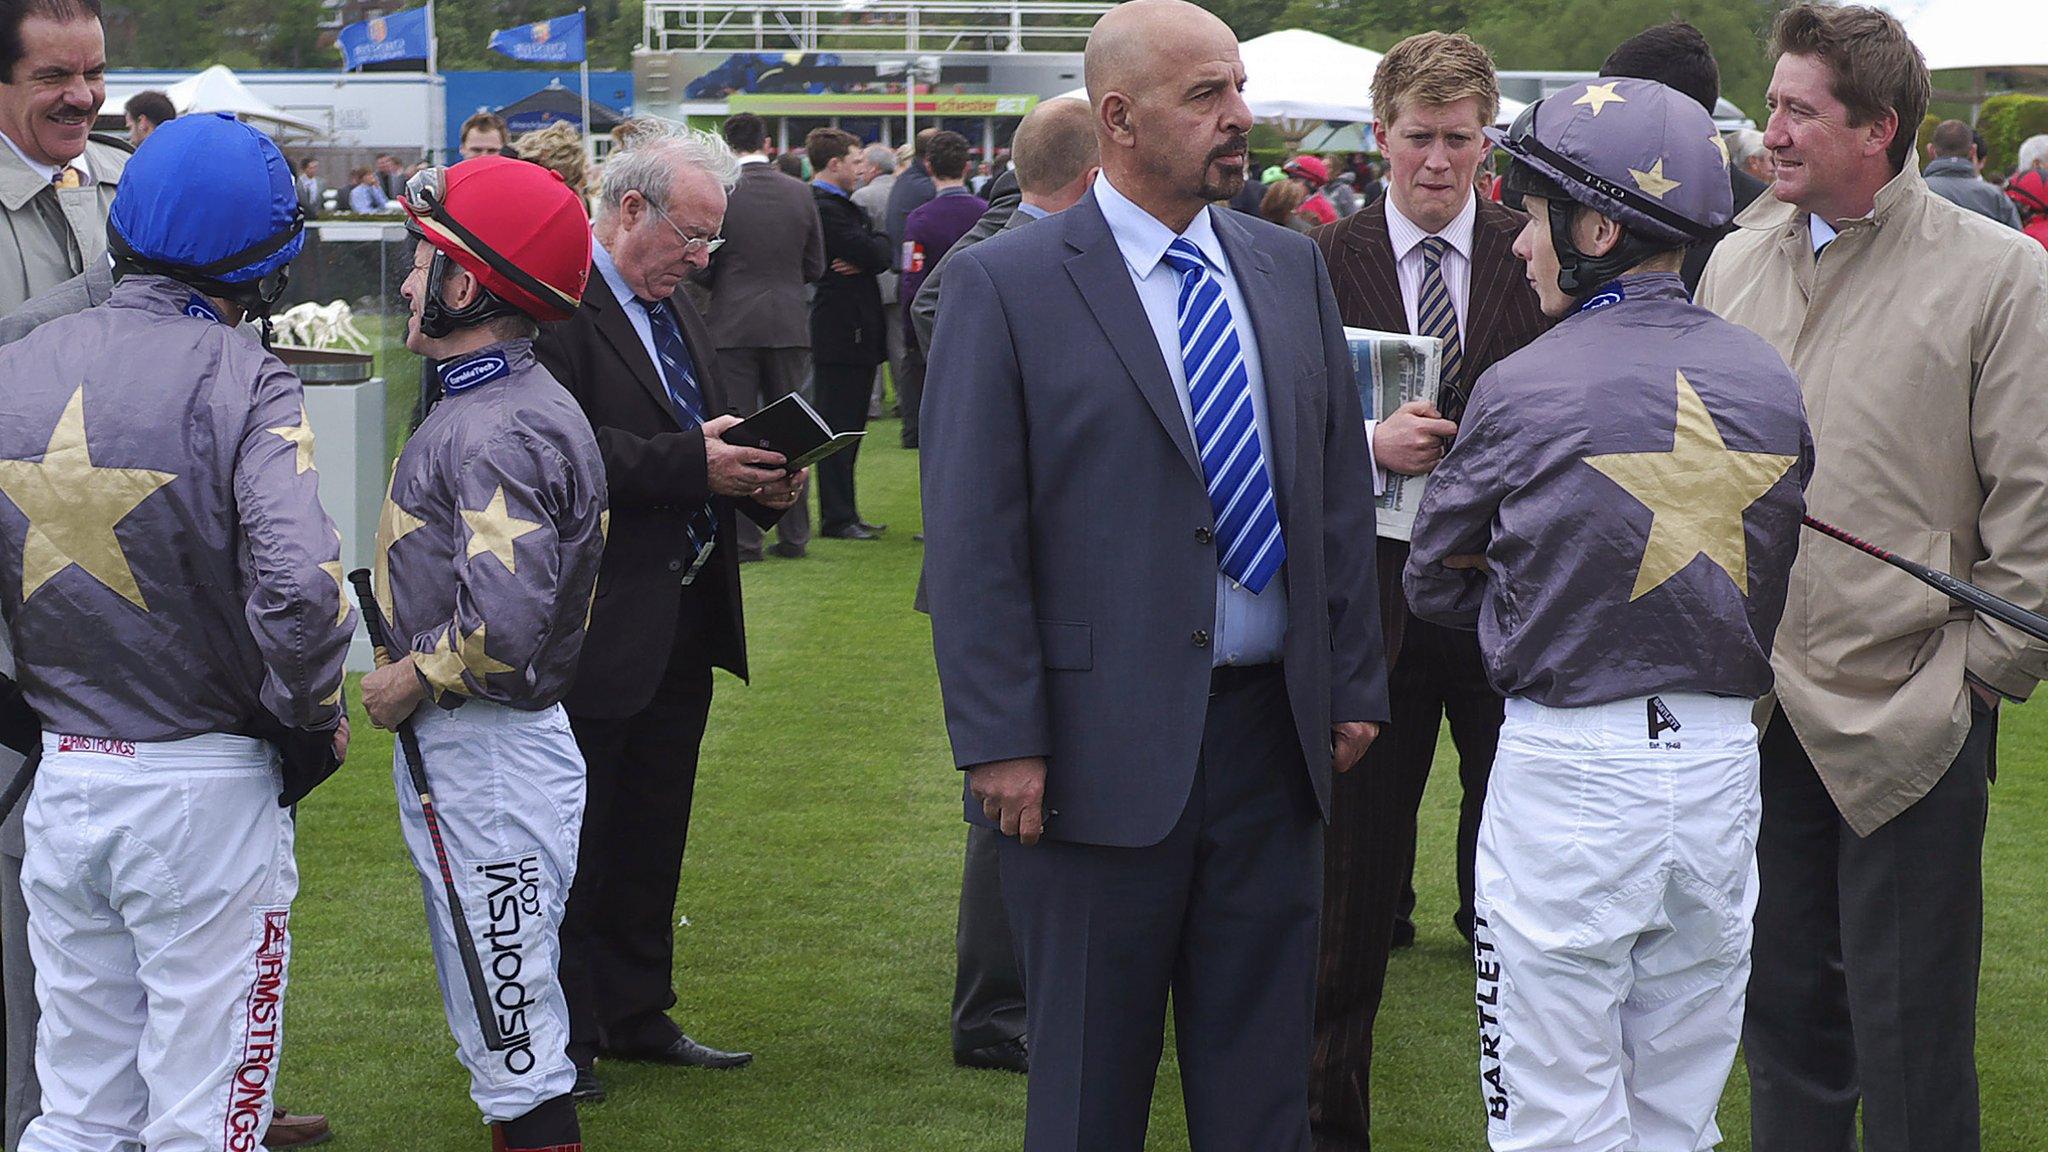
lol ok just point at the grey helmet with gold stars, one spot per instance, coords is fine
(1645, 155)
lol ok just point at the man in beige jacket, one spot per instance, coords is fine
(55, 184)
(1917, 330)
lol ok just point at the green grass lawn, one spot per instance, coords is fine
(819, 896)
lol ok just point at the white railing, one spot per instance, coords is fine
(868, 25)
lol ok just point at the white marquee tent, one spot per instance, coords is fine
(218, 89)
(2002, 35)
(1300, 79)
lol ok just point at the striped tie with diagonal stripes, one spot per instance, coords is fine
(680, 383)
(1249, 548)
(1436, 315)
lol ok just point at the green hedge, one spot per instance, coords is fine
(2007, 120)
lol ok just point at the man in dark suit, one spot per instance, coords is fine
(667, 610)
(1434, 259)
(1054, 159)
(847, 322)
(759, 318)
(1677, 55)
(1153, 602)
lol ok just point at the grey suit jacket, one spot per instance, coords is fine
(1002, 215)
(774, 246)
(1072, 576)
(88, 289)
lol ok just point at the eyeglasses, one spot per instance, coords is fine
(691, 244)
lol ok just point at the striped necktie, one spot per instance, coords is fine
(1436, 315)
(680, 382)
(1249, 547)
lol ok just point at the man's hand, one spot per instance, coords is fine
(1348, 742)
(392, 692)
(1413, 439)
(341, 739)
(784, 493)
(1012, 793)
(736, 471)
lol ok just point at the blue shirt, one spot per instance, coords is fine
(1250, 628)
(628, 302)
(829, 186)
(1032, 210)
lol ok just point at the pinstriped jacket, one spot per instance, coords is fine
(1501, 315)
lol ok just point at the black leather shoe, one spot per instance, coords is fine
(588, 1089)
(853, 532)
(1010, 1055)
(877, 529)
(687, 1053)
(786, 551)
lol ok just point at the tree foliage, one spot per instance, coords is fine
(1549, 34)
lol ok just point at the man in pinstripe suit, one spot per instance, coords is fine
(1430, 258)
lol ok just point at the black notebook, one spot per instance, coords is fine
(794, 428)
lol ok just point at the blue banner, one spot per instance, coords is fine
(399, 36)
(556, 41)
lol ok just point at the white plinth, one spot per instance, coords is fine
(348, 436)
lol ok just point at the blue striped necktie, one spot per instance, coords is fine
(680, 382)
(1436, 315)
(1248, 544)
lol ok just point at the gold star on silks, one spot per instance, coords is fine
(72, 507)
(1654, 181)
(301, 437)
(1720, 146)
(393, 525)
(604, 534)
(333, 568)
(494, 530)
(1599, 96)
(1696, 494)
(443, 667)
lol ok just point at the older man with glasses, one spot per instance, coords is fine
(642, 362)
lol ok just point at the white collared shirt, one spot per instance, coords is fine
(1409, 265)
(1819, 231)
(1409, 268)
(754, 158)
(49, 171)
(1250, 629)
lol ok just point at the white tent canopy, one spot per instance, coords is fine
(218, 89)
(1302, 78)
(1975, 34)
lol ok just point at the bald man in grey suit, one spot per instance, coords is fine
(1154, 608)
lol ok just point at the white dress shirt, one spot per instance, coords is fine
(754, 158)
(1409, 269)
(1250, 629)
(49, 171)
(1819, 231)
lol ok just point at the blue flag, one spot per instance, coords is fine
(399, 36)
(556, 41)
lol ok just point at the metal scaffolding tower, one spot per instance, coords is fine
(908, 26)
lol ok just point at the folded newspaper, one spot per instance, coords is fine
(1394, 368)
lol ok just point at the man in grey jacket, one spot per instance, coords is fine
(1155, 616)
(760, 317)
(55, 182)
(1057, 141)
(1952, 174)
(1054, 159)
